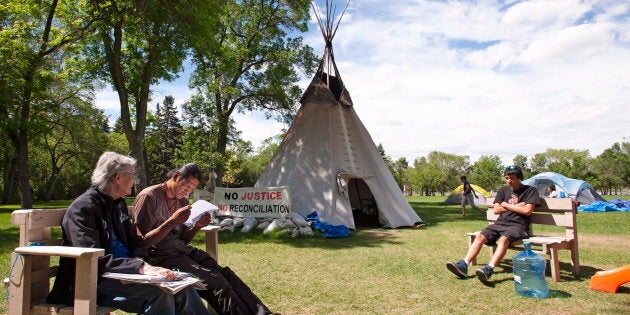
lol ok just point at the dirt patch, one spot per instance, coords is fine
(378, 233)
(598, 240)
(603, 241)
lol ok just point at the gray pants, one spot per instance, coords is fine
(468, 199)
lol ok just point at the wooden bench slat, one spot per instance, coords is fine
(559, 218)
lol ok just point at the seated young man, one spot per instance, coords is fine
(514, 203)
(159, 214)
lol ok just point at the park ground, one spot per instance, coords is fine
(402, 271)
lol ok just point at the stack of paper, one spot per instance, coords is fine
(172, 287)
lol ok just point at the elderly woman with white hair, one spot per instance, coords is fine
(99, 218)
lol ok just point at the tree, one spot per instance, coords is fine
(264, 153)
(164, 143)
(613, 168)
(451, 166)
(521, 161)
(568, 162)
(140, 43)
(253, 67)
(36, 37)
(487, 171)
(74, 133)
(8, 171)
(400, 167)
(425, 177)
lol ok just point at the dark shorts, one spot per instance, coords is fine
(513, 232)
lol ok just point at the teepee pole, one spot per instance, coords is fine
(328, 28)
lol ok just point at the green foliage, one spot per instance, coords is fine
(400, 167)
(254, 67)
(486, 172)
(246, 164)
(613, 168)
(521, 161)
(164, 141)
(425, 177)
(41, 70)
(139, 43)
(66, 153)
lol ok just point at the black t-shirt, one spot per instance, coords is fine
(525, 193)
(467, 188)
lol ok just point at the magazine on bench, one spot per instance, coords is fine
(182, 280)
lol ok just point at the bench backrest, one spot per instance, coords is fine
(35, 229)
(35, 225)
(551, 211)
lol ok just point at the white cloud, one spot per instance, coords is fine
(569, 43)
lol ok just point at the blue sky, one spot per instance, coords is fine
(473, 77)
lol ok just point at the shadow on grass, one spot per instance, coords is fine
(358, 238)
(9, 238)
(436, 212)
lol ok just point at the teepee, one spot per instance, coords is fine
(329, 160)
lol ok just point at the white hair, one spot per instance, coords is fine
(108, 165)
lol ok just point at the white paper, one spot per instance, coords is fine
(182, 280)
(198, 209)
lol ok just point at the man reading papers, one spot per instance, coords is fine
(160, 213)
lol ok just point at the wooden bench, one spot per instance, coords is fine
(31, 269)
(559, 212)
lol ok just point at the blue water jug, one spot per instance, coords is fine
(529, 273)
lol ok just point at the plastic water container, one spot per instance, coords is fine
(529, 273)
(562, 194)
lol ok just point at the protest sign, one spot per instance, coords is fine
(260, 202)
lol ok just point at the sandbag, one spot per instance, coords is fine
(276, 224)
(238, 222)
(298, 219)
(249, 224)
(263, 225)
(227, 222)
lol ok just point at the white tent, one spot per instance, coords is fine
(329, 160)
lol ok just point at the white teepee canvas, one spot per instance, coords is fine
(329, 160)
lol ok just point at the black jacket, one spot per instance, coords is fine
(88, 223)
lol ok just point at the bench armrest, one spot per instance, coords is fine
(62, 251)
(86, 274)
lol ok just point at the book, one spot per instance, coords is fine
(199, 208)
(182, 280)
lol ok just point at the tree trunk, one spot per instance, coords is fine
(137, 151)
(9, 180)
(26, 197)
(222, 139)
(52, 180)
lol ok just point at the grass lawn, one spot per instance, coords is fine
(402, 271)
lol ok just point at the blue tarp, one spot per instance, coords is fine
(613, 205)
(328, 230)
